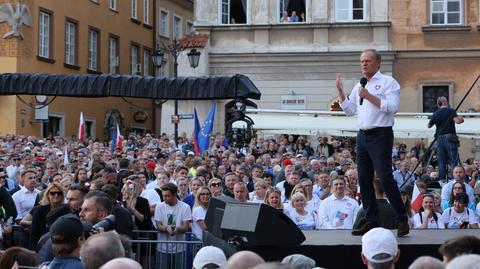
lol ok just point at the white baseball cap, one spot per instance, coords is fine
(379, 241)
(209, 255)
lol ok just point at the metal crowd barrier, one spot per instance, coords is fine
(163, 254)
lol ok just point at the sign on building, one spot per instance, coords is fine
(292, 102)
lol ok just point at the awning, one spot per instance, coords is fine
(182, 88)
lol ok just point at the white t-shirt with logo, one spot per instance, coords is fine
(304, 222)
(454, 220)
(172, 215)
(432, 223)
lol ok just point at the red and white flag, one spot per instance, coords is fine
(119, 143)
(417, 198)
(81, 129)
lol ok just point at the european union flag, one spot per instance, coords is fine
(204, 134)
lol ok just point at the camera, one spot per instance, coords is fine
(107, 224)
(240, 127)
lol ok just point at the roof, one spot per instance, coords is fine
(182, 88)
(194, 41)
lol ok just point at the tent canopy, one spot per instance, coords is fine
(407, 125)
(182, 88)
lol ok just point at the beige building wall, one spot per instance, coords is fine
(429, 53)
(21, 56)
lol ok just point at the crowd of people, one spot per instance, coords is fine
(55, 191)
(294, 17)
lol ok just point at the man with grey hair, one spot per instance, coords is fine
(121, 263)
(427, 262)
(299, 261)
(379, 249)
(101, 248)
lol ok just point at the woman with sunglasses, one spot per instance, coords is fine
(53, 197)
(427, 218)
(202, 200)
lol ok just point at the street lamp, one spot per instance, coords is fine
(174, 49)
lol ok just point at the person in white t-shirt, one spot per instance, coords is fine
(338, 211)
(202, 199)
(173, 219)
(459, 216)
(304, 219)
(258, 195)
(427, 218)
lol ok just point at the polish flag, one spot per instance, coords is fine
(417, 199)
(81, 129)
(119, 142)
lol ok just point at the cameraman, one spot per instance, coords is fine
(67, 237)
(96, 207)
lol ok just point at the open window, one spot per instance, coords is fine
(292, 11)
(430, 91)
(233, 11)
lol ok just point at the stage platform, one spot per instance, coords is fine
(339, 249)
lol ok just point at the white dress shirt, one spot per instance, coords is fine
(24, 201)
(335, 213)
(370, 116)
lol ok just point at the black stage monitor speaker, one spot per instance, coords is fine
(259, 225)
(214, 215)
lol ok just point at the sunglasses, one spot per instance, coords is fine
(54, 193)
(3, 177)
(216, 184)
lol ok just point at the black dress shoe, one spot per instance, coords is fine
(403, 229)
(364, 229)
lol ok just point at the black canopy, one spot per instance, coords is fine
(182, 88)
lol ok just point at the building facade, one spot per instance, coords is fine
(293, 49)
(79, 37)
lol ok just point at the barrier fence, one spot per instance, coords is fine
(159, 254)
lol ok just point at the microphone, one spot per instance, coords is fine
(363, 82)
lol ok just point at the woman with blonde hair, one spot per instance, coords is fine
(53, 197)
(202, 200)
(260, 189)
(305, 220)
(273, 198)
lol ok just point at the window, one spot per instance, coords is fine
(177, 27)
(146, 61)
(164, 23)
(349, 10)
(112, 4)
(93, 46)
(430, 93)
(44, 36)
(233, 11)
(292, 11)
(113, 61)
(90, 128)
(134, 65)
(446, 12)
(55, 126)
(133, 14)
(190, 29)
(145, 11)
(70, 42)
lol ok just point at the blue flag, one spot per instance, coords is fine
(204, 134)
(114, 140)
